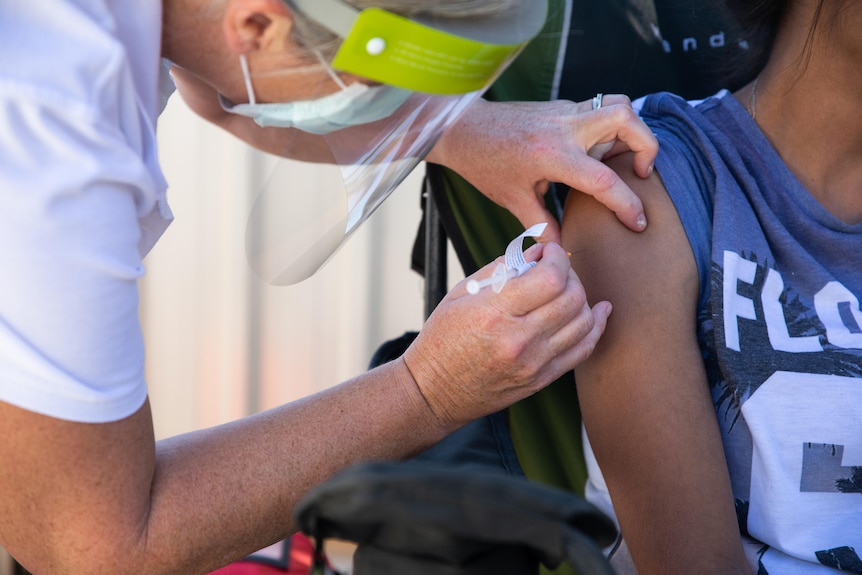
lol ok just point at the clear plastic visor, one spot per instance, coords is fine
(298, 223)
(423, 73)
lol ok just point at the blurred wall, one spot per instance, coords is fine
(220, 342)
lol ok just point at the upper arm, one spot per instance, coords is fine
(70, 339)
(644, 394)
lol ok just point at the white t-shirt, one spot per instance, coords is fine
(82, 200)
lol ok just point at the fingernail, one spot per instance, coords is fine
(650, 169)
(641, 222)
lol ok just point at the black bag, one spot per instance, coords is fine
(418, 519)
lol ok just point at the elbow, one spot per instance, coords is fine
(65, 553)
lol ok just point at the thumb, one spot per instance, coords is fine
(537, 213)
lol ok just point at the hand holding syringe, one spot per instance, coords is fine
(497, 280)
(515, 264)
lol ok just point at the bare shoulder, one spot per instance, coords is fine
(650, 277)
(610, 258)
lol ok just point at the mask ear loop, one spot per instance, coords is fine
(243, 63)
(328, 67)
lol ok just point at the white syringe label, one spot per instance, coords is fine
(515, 264)
(515, 249)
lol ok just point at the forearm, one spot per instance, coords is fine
(225, 492)
(105, 499)
(452, 141)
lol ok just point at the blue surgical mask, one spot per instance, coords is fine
(351, 106)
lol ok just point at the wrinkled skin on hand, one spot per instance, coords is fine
(480, 353)
(511, 151)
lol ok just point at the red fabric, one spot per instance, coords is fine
(300, 559)
(249, 568)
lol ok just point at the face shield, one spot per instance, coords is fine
(419, 75)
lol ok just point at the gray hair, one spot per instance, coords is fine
(312, 35)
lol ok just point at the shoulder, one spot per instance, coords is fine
(82, 53)
(614, 262)
(701, 143)
(80, 97)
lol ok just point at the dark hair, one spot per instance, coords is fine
(759, 21)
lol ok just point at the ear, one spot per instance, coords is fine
(251, 25)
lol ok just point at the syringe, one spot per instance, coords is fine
(498, 279)
(514, 266)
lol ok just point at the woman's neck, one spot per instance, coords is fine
(808, 102)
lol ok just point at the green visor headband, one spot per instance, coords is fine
(426, 54)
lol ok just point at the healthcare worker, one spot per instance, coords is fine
(84, 487)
